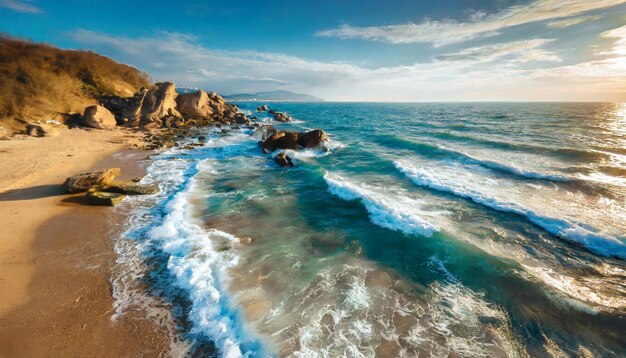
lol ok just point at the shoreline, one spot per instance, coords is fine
(56, 254)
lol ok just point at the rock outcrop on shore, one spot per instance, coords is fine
(161, 106)
(98, 117)
(102, 189)
(83, 182)
(146, 107)
(195, 105)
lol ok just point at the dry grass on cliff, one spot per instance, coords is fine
(40, 82)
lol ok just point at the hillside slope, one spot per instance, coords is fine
(41, 82)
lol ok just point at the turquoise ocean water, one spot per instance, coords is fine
(430, 230)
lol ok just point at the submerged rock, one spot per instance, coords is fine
(283, 160)
(82, 182)
(100, 198)
(98, 117)
(263, 108)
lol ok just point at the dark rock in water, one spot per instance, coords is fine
(281, 140)
(273, 139)
(283, 160)
(136, 179)
(241, 119)
(282, 117)
(287, 141)
(264, 132)
(82, 182)
(105, 199)
(201, 139)
(269, 144)
(312, 139)
(263, 108)
(132, 189)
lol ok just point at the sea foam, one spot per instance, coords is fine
(200, 270)
(398, 215)
(442, 180)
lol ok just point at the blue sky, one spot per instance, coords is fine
(419, 50)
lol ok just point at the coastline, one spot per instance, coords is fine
(56, 254)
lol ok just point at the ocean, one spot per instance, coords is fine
(425, 229)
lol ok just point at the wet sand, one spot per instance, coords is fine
(56, 253)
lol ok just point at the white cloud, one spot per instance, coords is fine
(25, 6)
(572, 21)
(513, 52)
(440, 33)
(493, 72)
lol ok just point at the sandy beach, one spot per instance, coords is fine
(56, 253)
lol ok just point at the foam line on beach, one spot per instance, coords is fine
(200, 270)
(197, 268)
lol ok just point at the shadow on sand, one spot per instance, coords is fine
(33, 192)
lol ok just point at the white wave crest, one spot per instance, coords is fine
(399, 215)
(201, 271)
(443, 180)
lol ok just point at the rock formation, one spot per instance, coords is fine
(264, 132)
(101, 198)
(131, 188)
(280, 116)
(312, 139)
(98, 117)
(159, 101)
(283, 160)
(83, 182)
(161, 106)
(275, 139)
(195, 105)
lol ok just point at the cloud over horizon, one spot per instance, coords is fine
(480, 25)
(498, 71)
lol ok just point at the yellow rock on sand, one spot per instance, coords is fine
(82, 182)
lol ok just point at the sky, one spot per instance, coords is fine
(345, 50)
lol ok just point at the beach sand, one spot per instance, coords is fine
(56, 253)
